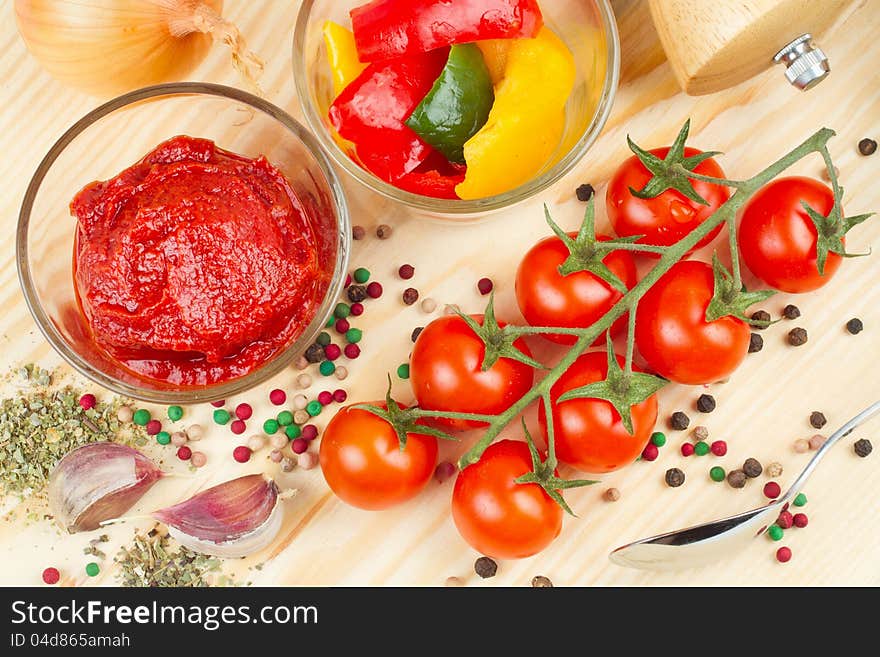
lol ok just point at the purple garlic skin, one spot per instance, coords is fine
(234, 519)
(98, 482)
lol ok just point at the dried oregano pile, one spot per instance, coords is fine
(42, 423)
(150, 561)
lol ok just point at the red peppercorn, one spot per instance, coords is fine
(87, 401)
(342, 326)
(800, 519)
(719, 448)
(339, 395)
(184, 453)
(785, 520)
(325, 397)
(352, 351)
(277, 396)
(237, 427)
(51, 576)
(650, 453)
(783, 554)
(348, 280)
(219, 404)
(687, 449)
(242, 453)
(357, 309)
(374, 290)
(485, 285)
(299, 445)
(309, 432)
(406, 272)
(153, 427)
(244, 411)
(332, 351)
(772, 490)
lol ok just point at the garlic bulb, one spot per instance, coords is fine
(107, 47)
(233, 519)
(97, 482)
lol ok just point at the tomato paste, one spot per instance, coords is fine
(196, 265)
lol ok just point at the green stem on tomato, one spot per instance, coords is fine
(452, 415)
(723, 182)
(637, 247)
(630, 340)
(734, 253)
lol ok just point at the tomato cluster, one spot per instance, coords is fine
(362, 457)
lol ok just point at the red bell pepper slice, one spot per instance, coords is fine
(435, 177)
(371, 111)
(391, 28)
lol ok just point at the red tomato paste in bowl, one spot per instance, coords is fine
(195, 265)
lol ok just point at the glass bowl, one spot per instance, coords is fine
(115, 136)
(588, 28)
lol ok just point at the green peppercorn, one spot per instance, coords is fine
(658, 438)
(313, 408)
(323, 339)
(330, 322)
(175, 413)
(327, 368)
(92, 569)
(361, 275)
(775, 532)
(141, 417)
(717, 473)
(222, 416)
(354, 335)
(163, 437)
(701, 448)
(270, 427)
(341, 311)
(293, 431)
(285, 418)
(800, 500)
(403, 371)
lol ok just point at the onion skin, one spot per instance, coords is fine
(108, 47)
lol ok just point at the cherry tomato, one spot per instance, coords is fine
(547, 298)
(363, 464)
(672, 333)
(497, 516)
(777, 238)
(589, 432)
(445, 372)
(666, 219)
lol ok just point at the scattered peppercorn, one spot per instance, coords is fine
(717, 473)
(701, 448)
(287, 464)
(342, 326)
(291, 432)
(417, 331)
(706, 403)
(679, 421)
(444, 471)
(761, 316)
(153, 427)
(752, 468)
(403, 371)
(342, 372)
(357, 308)
(332, 351)
(585, 193)
(429, 306)
(125, 414)
(772, 490)
(341, 311)
(867, 146)
(374, 290)
(141, 417)
(270, 427)
(611, 495)
(361, 275)
(736, 478)
(310, 432)
(163, 437)
(406, 272)
(818, 420)
(356, 294)
(791, 311)
(339, 395)
(783, 555)
(315, 353)
(863, 447)
(175, 413)
(51, 576)
(453, 581)
(775, 532)
(244, 411)
(184, 453)
(92, 569)
(485, 286)
(687, 449)
(700, 432)
(358, 232)
(650, 453)
(313, 408)
(178, 438)
(88, 401)
(352, 351)
(325, 397)
(774, 469)
(383, 232)
(220, 403)
(855, 326)
(277, 397)
(300, 446)
(800, 500)
(756, 343)
(238, 427)
(222, 416)
(485, 567)
(323, 339)
(801, 445)
(410, 296)
(242, 453)
(800, 520)
(658, 438)
(797, 337)
(817, 441)
(285, 418)
(541, 582)
(785, 519)
(719, 448)
(674, 477)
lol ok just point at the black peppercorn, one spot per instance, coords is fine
(417, 331)
(358, 232)
(761, 316)
(867, 146)
(817, 420)
(541, 582)
(383, 232)
(585, 193)
(752, 468)
(736, 478)
(706, 403)
(855, 326)
(679, 421)
(356, 293)
(485, 567)
(797, 337)
(791, 312)
(315, 353)
(410, 296)
(756, 343)
(863, 447)
(674, 477)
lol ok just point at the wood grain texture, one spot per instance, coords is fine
(761, 411)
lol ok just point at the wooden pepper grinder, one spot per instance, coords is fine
(716, 44)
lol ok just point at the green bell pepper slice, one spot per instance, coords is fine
(458, 105)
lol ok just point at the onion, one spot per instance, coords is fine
(107, 47)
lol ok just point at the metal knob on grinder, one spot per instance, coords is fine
(805, 63)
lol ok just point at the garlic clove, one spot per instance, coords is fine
(97, 482)
(233, 519)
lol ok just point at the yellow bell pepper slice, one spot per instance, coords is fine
(527, 121)
(495, 52)
(342, 54)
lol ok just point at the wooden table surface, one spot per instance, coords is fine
(761, 411)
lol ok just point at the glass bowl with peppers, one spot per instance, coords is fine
(456, 107)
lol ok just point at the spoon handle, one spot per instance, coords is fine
(858, 420)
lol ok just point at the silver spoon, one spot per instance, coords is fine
(710, 541)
